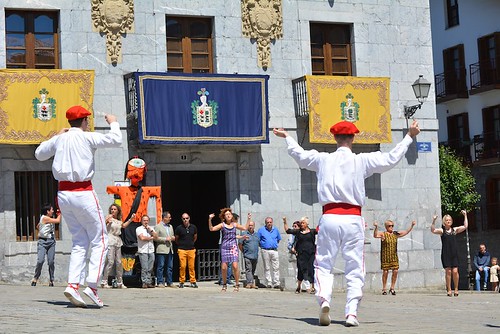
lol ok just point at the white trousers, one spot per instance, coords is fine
(83, 215)
(344, 233)
(271, 261)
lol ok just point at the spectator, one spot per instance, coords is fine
(449, 249)
(46, 242)
(494, 274)
(229, 246)
(269, 238)
(146, 249)
(249, 246)
(164, 251)
(114, 226)
(481, 262)
(185, 237)
(389, 252)
(305, 247)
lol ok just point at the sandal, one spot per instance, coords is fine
(449, 294)
(456, 294)
(313, 291)
(392, 292)
(297, 290)
(384, 292)
(236, 288)
(224, 288)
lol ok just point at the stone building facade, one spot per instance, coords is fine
(391, 39)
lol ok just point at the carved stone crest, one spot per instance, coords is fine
(113, 18)
(262, 20)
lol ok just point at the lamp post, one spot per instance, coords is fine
(421, 89)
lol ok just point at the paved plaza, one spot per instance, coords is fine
(42, 309)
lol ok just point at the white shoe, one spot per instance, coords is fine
(92, 294)
(324, 314)
(74, 296)
(351, 321)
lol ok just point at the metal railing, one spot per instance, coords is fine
(486, 145)
(208, 264)
(484, 73)
(300, 97)
(451, 83)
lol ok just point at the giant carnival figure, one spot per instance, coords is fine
(134, 200)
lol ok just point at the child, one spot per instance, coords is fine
(494, 274)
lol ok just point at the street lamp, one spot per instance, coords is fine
(421, 89)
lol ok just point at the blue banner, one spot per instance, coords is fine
(179, 108)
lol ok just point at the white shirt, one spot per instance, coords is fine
(144, 246)
(341, 174)
(74, 150)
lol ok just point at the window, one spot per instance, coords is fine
(31, 39)
(452, 12)
(493, 202)
(33, 190)
(491, 131)
(458, 135)
(454, 71)
(489, 58)
(189, 45)
(331, 49)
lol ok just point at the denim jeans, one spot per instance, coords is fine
(486, 275)
(164, 268)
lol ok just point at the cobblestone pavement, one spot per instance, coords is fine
(43, 309)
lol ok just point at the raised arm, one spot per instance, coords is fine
(462, 228)
(376, 233)
(405, 232)
(210, 226)
(285, 225)
(50, 220)
(433, 227)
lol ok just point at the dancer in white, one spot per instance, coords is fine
(73, 166)
(341, 192)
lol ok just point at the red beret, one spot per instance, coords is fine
(344, 128)
(76, 112)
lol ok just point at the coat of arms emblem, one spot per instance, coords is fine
(204, 114)
(349, 109)
(44, 108)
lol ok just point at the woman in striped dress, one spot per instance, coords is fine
(389, 252)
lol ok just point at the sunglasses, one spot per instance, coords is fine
(187, 218)
(390, 225)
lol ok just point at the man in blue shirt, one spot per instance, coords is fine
(482, 262)
(269, 238)
(249, 246)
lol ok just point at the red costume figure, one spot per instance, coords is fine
(135, 171)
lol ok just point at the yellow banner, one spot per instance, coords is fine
(362, 101)
(33, 103)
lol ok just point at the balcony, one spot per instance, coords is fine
(451, 85)
(484, 76)
(460, 147)
(486, 148)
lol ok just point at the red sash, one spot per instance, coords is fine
(342, 209)
(75, 186)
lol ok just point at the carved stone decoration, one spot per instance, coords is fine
(113, 18)
(262, 20)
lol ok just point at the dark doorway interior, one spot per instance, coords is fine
(198, 193)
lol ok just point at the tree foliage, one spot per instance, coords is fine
(457, 183)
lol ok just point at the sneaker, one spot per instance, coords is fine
(121, 286)
(170, 286)
(351, 321)
(181, 285)
(194, 285)
(160, 285)
(324, 314)
(92, 294)
(74, 296)
(268, 286)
